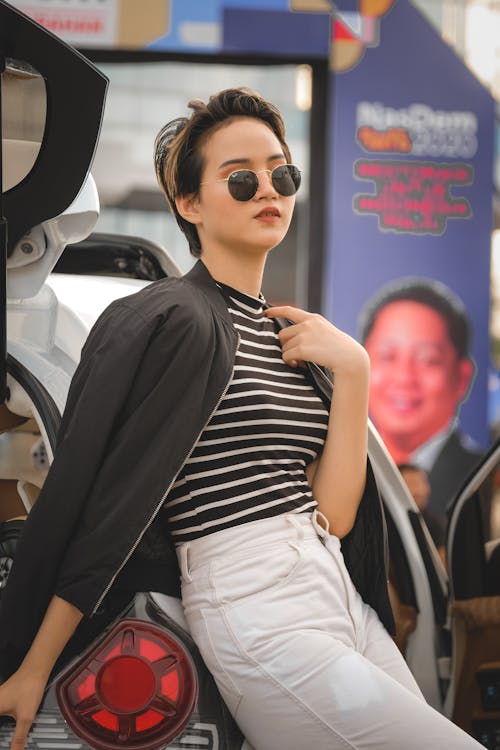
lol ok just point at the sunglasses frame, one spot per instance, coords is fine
(256, 175)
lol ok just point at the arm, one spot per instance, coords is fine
(337, 477)
(21, 695)
(100, 385)
(110, 361)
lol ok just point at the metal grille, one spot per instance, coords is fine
(50, 732)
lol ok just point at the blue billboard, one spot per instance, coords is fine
(409, 222)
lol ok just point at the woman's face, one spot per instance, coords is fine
(224, 223)
(417, 378)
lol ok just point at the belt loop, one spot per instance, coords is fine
(323, 531)
(299, 529)
(183, 562)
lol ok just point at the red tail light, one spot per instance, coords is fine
(137, 690)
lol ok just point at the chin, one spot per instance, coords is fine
(258, 250)
(401, 427)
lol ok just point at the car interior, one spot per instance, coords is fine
(474, 611)
(28, 423)
(401, 588)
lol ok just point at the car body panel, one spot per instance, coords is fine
(420, 654)
(210, 725)
(75, 90)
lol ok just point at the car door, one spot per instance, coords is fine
(417, 579)
(473, 561)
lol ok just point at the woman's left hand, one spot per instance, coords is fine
(312, 338)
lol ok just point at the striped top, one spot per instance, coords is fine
(249, 462)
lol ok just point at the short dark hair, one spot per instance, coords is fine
(177, 153)
(429, 292)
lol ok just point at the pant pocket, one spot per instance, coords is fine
(257, 572)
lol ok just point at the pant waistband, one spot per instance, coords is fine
(290, 527)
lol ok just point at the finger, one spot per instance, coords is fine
(21, 734)
(297, 363)
(295, 347)
(289, 333)
(294, 314)
(293, 355)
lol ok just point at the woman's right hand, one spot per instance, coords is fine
(22, 694)
(20, 698)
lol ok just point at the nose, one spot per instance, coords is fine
(405, 370)
(266, 187)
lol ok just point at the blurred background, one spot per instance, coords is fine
(391, 109)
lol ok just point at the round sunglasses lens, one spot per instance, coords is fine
(286, 179)
(243, 184)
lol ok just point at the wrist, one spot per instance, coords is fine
(39, 676)
(36, 667)
(357, 368)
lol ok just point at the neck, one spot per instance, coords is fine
(399, 454)
(238, 270)
(401, 447)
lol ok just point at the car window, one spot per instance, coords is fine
(24, 111)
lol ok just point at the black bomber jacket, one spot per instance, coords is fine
(153, 370)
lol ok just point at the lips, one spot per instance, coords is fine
(403, 404)
(268, 212)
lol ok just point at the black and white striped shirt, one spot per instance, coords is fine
(249, 462)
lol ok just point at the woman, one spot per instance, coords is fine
(248, 465)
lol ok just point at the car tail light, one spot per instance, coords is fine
(137, 689)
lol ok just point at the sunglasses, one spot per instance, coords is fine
(244, 183)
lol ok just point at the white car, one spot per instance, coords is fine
(448, 630)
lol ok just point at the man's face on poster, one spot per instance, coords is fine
(417, 377)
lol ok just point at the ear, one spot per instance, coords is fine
(467, 371)
(188, 207)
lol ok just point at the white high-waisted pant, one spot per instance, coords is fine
(301, 661)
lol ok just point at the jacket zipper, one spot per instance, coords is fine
(164, 496)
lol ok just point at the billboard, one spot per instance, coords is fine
(101, 23)
(409, 221)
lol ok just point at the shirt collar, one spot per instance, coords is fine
(256, 304)
(426, 454)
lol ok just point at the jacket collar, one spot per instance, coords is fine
(200, 276)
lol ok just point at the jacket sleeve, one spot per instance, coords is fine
(109, 361)
(172, 396)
